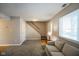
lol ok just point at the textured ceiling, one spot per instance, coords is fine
(31, 11)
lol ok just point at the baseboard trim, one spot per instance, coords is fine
(9, 44)
(19, 44)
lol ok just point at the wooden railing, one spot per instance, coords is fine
(35, 27)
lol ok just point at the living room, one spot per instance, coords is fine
(49, 29)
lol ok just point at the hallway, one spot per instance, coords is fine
(28, 48)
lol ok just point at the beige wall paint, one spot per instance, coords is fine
(9, 32)
(55, 19)
(41, 26)
(4, 31)
(12, 32)
(31, 33)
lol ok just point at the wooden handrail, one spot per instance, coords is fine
(36, 28)
(35, 25)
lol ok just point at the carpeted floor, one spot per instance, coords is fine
(28, 48)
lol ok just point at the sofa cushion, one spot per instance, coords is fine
(69, 50)
(56, 54)
(51, 48)
(51, 43)
(59, 44)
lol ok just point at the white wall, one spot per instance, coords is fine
(49, 30)
(18, 31)
(15, 30)
(22, 31)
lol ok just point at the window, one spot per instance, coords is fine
(68, 26)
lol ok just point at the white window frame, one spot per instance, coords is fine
(70, 30)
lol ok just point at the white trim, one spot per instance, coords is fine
(21, 42)
(9, 44)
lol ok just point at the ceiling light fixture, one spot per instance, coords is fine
(35, 19)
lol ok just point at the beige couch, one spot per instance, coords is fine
(60, 48)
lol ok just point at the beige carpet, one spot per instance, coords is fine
(28, 48)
